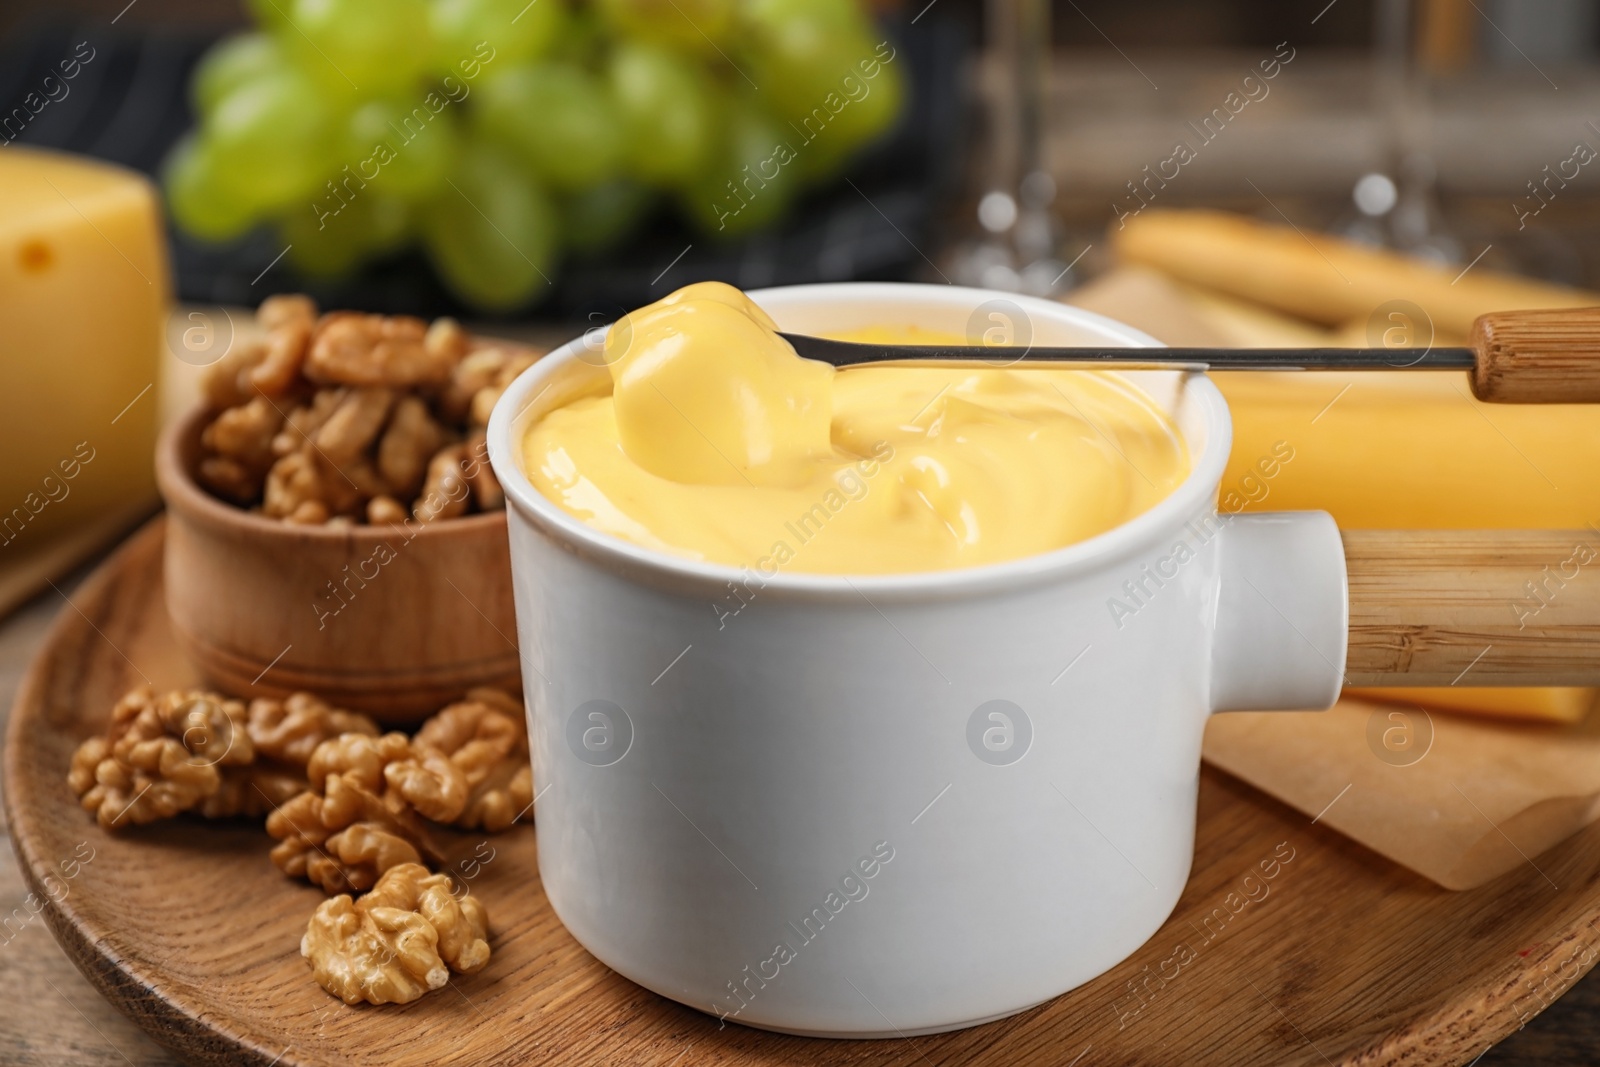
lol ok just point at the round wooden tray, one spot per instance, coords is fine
(1339, 958)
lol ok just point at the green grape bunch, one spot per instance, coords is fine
(500, 135)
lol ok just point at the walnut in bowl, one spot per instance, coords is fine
(333, 524)
(354, 418)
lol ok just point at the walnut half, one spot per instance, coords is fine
(350, 348)
(487, 743)
(344, 834)
(161, 755)
(397, 942)
(291, 729)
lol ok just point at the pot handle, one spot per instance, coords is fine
(1475, 607)
(1282, 613)
(1303, 608)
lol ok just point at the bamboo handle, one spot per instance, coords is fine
(1538, 357)
(1473, 607)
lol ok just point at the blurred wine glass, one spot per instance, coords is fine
(1397, 206)
(1016, 249)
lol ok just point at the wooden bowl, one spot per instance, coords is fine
(392, 620)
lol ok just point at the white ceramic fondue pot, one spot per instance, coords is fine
(891, 805)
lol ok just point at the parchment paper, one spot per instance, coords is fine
(1460, 800)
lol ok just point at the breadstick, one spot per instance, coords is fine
(1319, 277)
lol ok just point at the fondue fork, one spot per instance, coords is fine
(1526, 357)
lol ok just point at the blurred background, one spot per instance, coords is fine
(612, 143)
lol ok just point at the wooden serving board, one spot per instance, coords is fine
(1339, 957)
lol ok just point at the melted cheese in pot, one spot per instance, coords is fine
(719, 443)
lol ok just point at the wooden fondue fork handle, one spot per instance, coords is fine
(1537, 357)
(1473, 607)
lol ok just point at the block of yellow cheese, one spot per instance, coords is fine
(1397, 449)
(84, 294)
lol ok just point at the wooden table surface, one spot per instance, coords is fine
(52, 1017)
